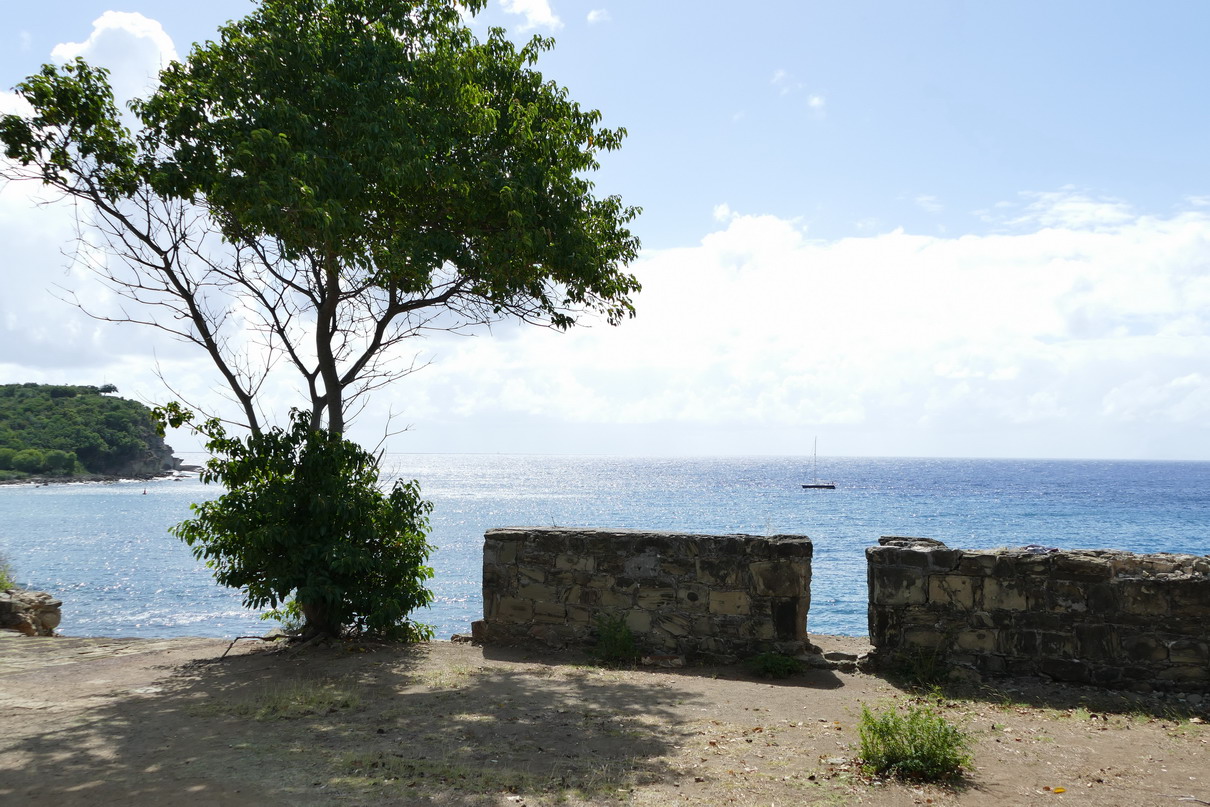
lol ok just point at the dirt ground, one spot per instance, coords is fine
(107, 722)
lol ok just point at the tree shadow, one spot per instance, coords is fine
(407, 725)
(807, 678)
(1040, 693)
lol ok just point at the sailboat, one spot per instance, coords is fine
(815, 483)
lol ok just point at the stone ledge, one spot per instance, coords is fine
(32, 613)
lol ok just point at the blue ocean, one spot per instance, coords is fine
(105, 550)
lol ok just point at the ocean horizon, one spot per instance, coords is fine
(105, 549)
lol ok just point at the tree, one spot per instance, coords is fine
(329, 179)
(303, 518)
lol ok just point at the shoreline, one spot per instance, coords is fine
(80, 479)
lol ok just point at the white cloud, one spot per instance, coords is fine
(785, 82)
(1067, 207)
(817, 103)
(537, 13)
(13, 104)
(1003, 344)
(133, 47)
(598, 15)
(929, 204)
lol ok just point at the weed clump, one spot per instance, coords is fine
(773, 665)
(7, 579)
(615, 641)
(914, 744)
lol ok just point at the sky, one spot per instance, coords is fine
(957, 229)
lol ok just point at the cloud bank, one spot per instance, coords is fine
(1084, 335)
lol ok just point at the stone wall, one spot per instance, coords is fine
(718, 597)
(1099, 617)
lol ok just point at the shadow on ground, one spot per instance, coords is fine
(393, 725)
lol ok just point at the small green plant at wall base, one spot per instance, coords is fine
(6, 574)
(774, 665)
(615, 641)
(921, 668)
(916, 743)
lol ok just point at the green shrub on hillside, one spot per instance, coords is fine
(61, 429)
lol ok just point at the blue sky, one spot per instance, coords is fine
(935, 228)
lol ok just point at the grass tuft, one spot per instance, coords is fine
(615, 641)
(6, 574)
(916, 743)
(773, 665)
(292, 700)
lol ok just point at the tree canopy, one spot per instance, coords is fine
(329, 178)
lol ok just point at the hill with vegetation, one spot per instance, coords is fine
(53, 430)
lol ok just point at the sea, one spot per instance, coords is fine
(105, 548)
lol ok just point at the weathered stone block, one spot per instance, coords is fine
(580, 595)
(942, 560)
(771, 579)
(976, 564)
(730, 602)
(565, 561)
(638, 621)
(674, 624)
(1185, 673)
(1066, 670)
(1102, 599)
(1005, 595)
(923, 638)
(1095, 642)
(897, 585)
(1141, 597)
(551, 612)
(1081, 567)
(1065, 596)
(1037, 564)
(957, 590)
(579, 615)
(977, 641)
(654, 599)
(512, 609)
(538, 592)
(693, 597)
(612, 598)
(1143, 648)
(1056, 645)
(1188, 651)
(640, 566)
(716, 572)
(895, 556)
